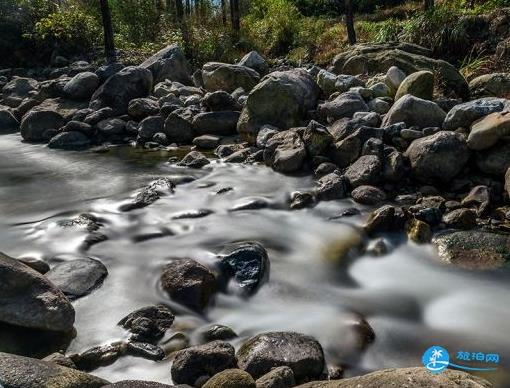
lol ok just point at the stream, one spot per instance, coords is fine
(408, 297)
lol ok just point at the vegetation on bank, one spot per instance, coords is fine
(302, 31)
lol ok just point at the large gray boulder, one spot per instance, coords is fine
(28, 299)
(227, 77)
(24, 372)
(256, 62)
(285, 152)
(35, 123)
(82, 86)
(281, 99)
(378, 58)
(301, 353)
(69, 140)
(406, 377)
(122, 87)
(439, 157)
(223, 123)
(415, 112)
(19, 87)
(488, 131)
(169, 63)
(419, 84)
(491, 85)
(463, 115)
(345, 105)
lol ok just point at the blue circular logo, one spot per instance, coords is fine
(436, 359)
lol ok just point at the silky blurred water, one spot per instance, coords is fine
(411, 301)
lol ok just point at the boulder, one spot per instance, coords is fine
(194, 159)
(8, 123)
(178, 129)
(256, 62)
(394, 77)
(206, 142)
(69, 140)
(227, 77)
(247, 263)
(111, 127)
(345, 105)
(406, 377)
(149, 127)
(169, 63)
(331, 83)
(19, 87)
(82, 86)
(495, 160)
(220, 100)
(280, 377)
(301, 353)
(317, 139)
(473, 249)
(368, 195)
(231, 378)
(28, 299)
(379, 58)
(203, 361)
(35, 123)
(419, 84)
(285, 152)
(491, 85)
(140, 108)
(488, 131)
(281, 99)
(77, 278)
(222, 123)
(331, 186)
(415, 111)
(148, 324)
(365, 171)
(439, 157)
(24, 372)
(189, 283)
(463, 115)
(118, 90)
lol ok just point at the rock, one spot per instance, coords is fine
(222, 123)
(77, 278)
(140, 108)
(230, 378)
(219, 101)
(285, 152)
(8, 123)
(111, 127)
(379, 105)
(345, 105)
(415, 112)
(324, 169)
(331, 83)
(491, 85)
(69, 141)
(394, 77)
(473, 249)
(380, 89)
(28, 299)
(150, 194)
(216, 332)
(384, 219)
(97, 116)
(148, 324)
(35, 123)
(81, 86)
(247, 263)
(368, 195)
(463, 115)
(395, 167)
(64, 107)
(365, 171)
(24, 372)
(301, 353)
(478, 196)
(137, 384)
(460, 219)
(405, 377)
(178, 129)
(168, 63)
(36, 264)
(281, 99)
(265, 133)
(118, 90)
(194, 159)
(106, 71)
(495, 160)
(189, 283)
(78, 126)
(317, 139)
(145, 350)
(301, 200)
(202, 361)
(206, 142)
(280, 377)
(419, 84)
(419, 231)
(439, 157)
(99, 356)
(19, 87)
(487, 131)
(256, 62)
(60, 359)
(331, 186)
(379, 58)
(149, 127)
(227, 77)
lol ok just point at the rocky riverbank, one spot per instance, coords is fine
(385, 125)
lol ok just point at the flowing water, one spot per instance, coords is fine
(411, 301)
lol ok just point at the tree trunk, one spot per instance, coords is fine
(429, 5)
(224, 12)
(109, 45)
(349, 21)
(235, 19)
(188, 7)
(179, 10)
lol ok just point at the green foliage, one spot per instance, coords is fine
(70, 29)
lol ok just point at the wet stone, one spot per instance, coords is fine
(216, 332)
(145, 350)
(148, 324)
(99, 356)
